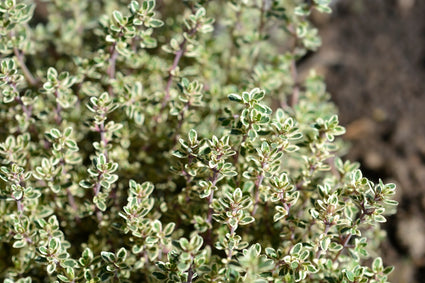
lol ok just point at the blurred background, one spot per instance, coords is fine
(373, 58)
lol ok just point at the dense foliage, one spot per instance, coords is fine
(175, 141)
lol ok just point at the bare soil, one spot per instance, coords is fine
(373, 58)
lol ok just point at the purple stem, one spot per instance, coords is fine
(344, 245)
(177, 58)
(112, 66)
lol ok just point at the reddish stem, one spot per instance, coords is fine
(344, 245)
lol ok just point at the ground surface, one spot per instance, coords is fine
(373, 57)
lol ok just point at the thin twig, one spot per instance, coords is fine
(176, 61)
(58, 117)
(190, 275)
(27, 74)
(112, 66)
(344, 245)
(257, 192)
(103, 139)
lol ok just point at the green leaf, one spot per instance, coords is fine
(100, 203)
(169, 228)
(108, 256)
(379, 218)
(155, 23)
(55, 133)
(377, 265)
(68, 131)
(324, 244)
(302, 10)
(237, 132)
(183, 266)
(200, 13)
(237, 195)
(19, 244)
(246, 220)
(121, 255)
(63, 278)
(70, 263)
(159, 275)
(311, 268)
(71, 145)
(52, 74)
(134, 6)
(304, 255)
(86, 257)
(252, 134)
(184, 244)
(300, 275)
(196, 243)
(258, 95)
(391, 202)
(296, 249)
(323, 9)
(54, 244)
(235, 97)
(349, 275)
(157, 226)
(335, 247)
(279, 215)
(388, 270)
(101, 159)
(51, 268)
(261, 108)
(148, 5)
(118, 18)
(193, 137)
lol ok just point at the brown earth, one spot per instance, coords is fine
(373, 58)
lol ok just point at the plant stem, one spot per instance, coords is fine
(177, 58)
(112, 66)
(104, 140)
(58, 109)
(257, 192)
(176, 61)
(344, 245)
(20, 206)
(189, 275)
(27, 74)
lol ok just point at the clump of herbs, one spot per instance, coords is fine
(175, 141)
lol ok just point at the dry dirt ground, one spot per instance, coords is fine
(373, 57)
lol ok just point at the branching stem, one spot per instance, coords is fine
(344, 245)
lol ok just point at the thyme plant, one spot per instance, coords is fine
(175, 141)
